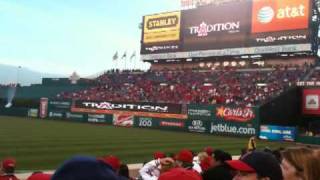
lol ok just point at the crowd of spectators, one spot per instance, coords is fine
(315, 76)
(246, 87)
(8, 85)
(292, 163)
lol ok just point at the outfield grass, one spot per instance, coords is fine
(43, 144)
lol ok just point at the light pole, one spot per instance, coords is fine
(18, 71)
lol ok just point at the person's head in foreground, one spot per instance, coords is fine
(84, 168)
(256, 166)
(180, 174)
(184, 159)
(300, 163)
(39, 176)
(8, 166)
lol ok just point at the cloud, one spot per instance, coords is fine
(64, 36)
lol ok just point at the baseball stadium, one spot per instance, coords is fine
(232, 92)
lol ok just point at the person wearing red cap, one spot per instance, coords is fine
(206, 163)
(158, 155)
(184, 159)
(7, 167)
(208, 150)
(113, 161)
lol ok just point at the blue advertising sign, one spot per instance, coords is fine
(277, 133)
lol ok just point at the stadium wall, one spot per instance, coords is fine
(284, 110)
(272, 118)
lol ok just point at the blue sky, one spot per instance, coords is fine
(62, 36)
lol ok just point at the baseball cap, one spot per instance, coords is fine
(208, 150)
(84, 168)
(8, 163)
(40, 176)
(158, 155)
(206, 163)
(185, 156)
(180, 173)
(113, 161)
(262, 163)
(221, 156)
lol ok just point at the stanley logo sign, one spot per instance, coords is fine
(162, 22)
(162, 27)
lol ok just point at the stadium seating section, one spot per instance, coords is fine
(228, 86)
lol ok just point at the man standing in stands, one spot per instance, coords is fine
(252, 145)
(7, 169)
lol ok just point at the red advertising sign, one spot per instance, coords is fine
(43, 107)
(123, 120)
(311, 98)
(235, 114)
(171, 124)
(279, 15)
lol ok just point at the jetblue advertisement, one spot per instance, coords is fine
(277, 133)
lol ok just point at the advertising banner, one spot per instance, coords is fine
(212, 27)
(199, 126)
(279, 15)
(146, 122)
(276, 38)
(277, 133)
(161, 123)
(203, 112)
(159, 110)
(123, 120)
(240, 121)
(55, 104)
(162, 27)
(172, 124)
(161, 32)
(311, 98)
(143, 106)
(56, 114)
(43, 107)
(167, 123)
(75, 116)
(253, 27)
(33, 113)
(97, 118)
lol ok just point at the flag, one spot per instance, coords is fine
(124, 55)
(115, 56)
(133, 55)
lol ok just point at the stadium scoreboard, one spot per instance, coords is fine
(231, 29)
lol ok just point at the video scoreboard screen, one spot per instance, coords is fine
(245, 27)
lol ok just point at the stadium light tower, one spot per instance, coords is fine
(18, 73)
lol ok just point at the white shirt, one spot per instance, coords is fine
(151, 170)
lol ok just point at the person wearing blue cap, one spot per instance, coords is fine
(84, 168)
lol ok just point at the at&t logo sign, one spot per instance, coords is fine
(265, 15)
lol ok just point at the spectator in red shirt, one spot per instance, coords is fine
(8, 166)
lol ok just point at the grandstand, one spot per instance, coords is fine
(254, 72)
(197, 59)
